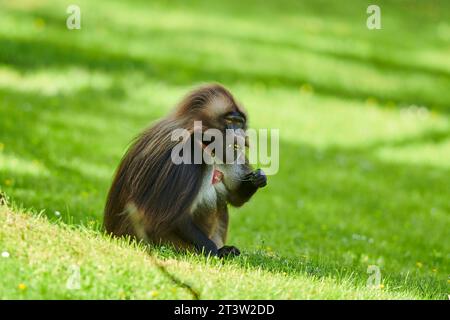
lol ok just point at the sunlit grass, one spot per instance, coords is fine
(364, 132)
(115, 270)
(52, 81)
(349, 123)
(431, 154)
(13, 164)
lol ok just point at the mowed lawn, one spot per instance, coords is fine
(364, 120)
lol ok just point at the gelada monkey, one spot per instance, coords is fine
(156, 200)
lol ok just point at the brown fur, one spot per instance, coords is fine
(160, 192)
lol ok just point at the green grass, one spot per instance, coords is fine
(115, 270)
(364, 119)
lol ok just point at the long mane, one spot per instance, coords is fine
(147, 178)
(160, 190)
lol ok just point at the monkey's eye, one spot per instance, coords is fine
(234, 120)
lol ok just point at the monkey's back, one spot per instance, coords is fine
(149, 181)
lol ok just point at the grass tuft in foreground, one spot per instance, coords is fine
(43, 260)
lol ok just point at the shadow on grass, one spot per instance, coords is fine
(340, 210)
(55, 136)
(415, 284)
(380, 62)
(350, 191)
(26, 55)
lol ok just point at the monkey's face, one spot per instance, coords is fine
(220, 111)
(217, 109)
(230, 165)
(227, 162)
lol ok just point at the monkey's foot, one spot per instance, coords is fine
(227, 251)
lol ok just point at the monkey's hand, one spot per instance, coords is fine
(249, 185)
(257, 178)
(227, 251)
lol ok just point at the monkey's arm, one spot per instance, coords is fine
(250, 184)
(190, 232)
